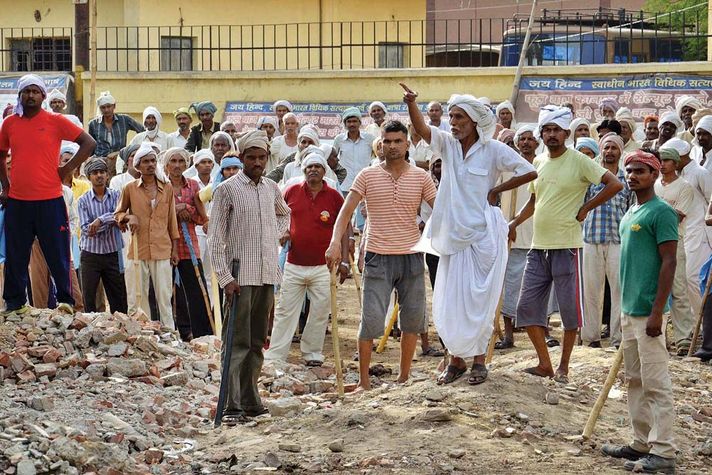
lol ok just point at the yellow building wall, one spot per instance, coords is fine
(168, 91)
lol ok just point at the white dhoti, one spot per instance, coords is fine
(468, 288)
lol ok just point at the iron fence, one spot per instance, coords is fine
(558, 38)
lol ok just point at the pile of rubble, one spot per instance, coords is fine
(114, 394)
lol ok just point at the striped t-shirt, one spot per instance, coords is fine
(392, 207)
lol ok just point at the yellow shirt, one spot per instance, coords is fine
(560, 189)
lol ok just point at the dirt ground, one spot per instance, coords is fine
(501, 426)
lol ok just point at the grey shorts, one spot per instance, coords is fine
(563, 268)
(381, 274)
(513, 281)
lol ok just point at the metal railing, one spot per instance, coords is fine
(558, 38)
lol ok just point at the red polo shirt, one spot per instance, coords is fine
(35, 147)
(311, 222)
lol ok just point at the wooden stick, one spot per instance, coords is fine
(357, 280)
(335, 337)
(391, 323)
(522, 56)
(700, 317)
(596, 411)
(215, 289)
(137, 269)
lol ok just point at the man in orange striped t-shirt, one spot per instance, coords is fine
(393, 192)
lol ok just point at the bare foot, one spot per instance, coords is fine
(362, 387)
(539, 371)
(561, 376)
(401, 380)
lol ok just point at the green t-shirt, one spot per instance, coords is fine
(642, 229)
(560, 189)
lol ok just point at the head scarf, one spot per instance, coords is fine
(609, 103)
(698, 115)
(126, 152)
(688, 101)
(589, 143)
(314, 159)
(95, 165)
(650, 118)
(226, 162)
(611, 137)
(377, 104)
(284, 103)
(643, 157)
(288, 115)
(150, 110)
(673, 118)
(551, 114)
(69, 147)
(144, 150)
(669, 154)
(326, 150)
(224, 125)
(311, 132)
(576, 123)
(207, 106)
(625, 115)
(182, 111)
(26, 81)
(524, 129)
(505, 105)
(224, 135)
(682, 147)
(9, 110)
(505, 135)
(57, 95)
(265, 119)
(478, 112)
(351, 112)
(484, 100)
(105, 98)
(253, 138)
(705, 123)
(203, 154)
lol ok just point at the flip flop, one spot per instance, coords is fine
(232, 420)
(433, 352)
(451, 374)
(478, 374)
(561, 378)
(314, 363)
(504, 344)
(552, 342)
(534, 371)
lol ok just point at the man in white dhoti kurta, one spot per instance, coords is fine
(466, 229)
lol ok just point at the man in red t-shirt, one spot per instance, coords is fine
(32, 196)
(315, 206)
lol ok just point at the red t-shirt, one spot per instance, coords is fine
(35, 144)
(311, 222)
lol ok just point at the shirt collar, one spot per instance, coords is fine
(93, 194)
(159, 183)
(246, 179)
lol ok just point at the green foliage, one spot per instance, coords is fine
(692, 22)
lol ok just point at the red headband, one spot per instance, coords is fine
(643, 157)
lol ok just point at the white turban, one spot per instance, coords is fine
(682, 147)
(478, 113)
(705, 123)
(267, 120)
(551, 114)
(485, 100)
(524, 129)
(69, 147)
(284, 103)
(224, 125)
(290, 115)
(578, 122)
(57, 95)
(253, 138)
(26, 81)
(202, 155)
(224, 135)
(150, 110)
(689, 101)
(314, 158)
(105, 98)
(311, 132)
(144, 150)
(625, 115)
(611, 137)
(377, 104)
(505, 105)
(673, 118)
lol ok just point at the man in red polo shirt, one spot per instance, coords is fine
(32, 196)
(315, 206)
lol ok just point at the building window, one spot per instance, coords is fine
(41, 54)
(176, 53)
(393, 55)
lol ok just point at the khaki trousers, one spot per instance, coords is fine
(39, 278)
(161, 272)
(601, 261)
(298, 282)
(681, 312)
(650, 402)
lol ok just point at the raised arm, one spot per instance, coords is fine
(416, 118)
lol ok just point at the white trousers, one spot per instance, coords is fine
(298, 282)
(161, 273)
(601, 261)
(697, 251)
(680, 312)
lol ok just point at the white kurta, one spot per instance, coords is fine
(696, 154)
(471, 238)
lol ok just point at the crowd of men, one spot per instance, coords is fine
(616, 226)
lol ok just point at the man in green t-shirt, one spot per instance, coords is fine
(647, 269)
(557, 204)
